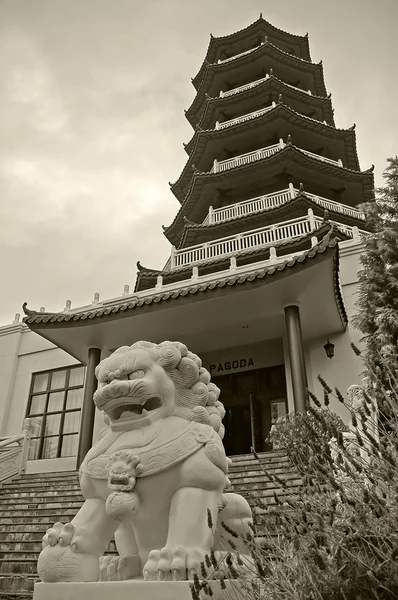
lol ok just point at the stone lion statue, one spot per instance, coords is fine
(155, 479)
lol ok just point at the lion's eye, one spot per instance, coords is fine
(136, 374)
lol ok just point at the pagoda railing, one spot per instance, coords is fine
(324, 158)
(267, 201)
(237, 55)
(14, 453)
(337, 206)
(244, 118)
(252, 84)
(254, 155)
(244, 159)
(256, 238)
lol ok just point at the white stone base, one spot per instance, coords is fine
(130, 590)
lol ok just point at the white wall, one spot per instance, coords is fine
(345, 368)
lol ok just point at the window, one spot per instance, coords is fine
(54, 407)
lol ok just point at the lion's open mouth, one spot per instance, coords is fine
(133, 410)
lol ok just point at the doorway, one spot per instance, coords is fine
(253, 400)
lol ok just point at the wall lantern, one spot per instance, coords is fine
(329, 349)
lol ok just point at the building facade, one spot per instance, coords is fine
(263, 265)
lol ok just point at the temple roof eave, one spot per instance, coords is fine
(201, 137)
(155, 300)
(273, 82)
(184, 198)
(216, 42)
(297, 63)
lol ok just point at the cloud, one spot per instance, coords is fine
(29, 84)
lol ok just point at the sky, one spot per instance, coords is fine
(92, 125)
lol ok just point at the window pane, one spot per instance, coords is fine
(33, 449)
(58, 380)
(52, 424)
(72, 422)
(50, 447)
(36, 425)
(38, 404)
(40, 382)
(76, 376)
(74, 398)
(69, 445)
(55, 401)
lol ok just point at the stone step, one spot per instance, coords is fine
(63, 516)
(270, 486)
(13, 584)
(41, 510)
(19, 567)
(52, 502)
(33, 546)
(29, 496)
(39, 486)
(256, 468)
(260, 476)
(18, 527)
(51, 475)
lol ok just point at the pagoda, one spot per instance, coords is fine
(268, 212)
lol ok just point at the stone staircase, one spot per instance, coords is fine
(31, 504)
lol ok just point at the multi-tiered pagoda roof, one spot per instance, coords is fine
(270, 182)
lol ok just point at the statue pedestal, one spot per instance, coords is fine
(128, 590)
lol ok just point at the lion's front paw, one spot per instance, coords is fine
(174, 564)
(61, 563)
(119, 568)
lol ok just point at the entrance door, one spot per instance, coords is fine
(248, 398)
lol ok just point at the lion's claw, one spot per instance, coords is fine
(174, 564)
(59, 533)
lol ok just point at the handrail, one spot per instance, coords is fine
(14, 453)
(246, 117)
(11, 440)
(267, 201)
(262, 237)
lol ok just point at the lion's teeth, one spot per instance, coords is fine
(125, 415)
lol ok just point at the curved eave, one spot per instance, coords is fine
(297, 63)
(272, 82)
(289, 151)
(272, 215)
(186, 176)
(49, 324)
(201, 137)
(259, 26)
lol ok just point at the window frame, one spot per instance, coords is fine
(65, 389)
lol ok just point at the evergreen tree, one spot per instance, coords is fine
(377, 316)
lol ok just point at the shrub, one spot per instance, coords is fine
(305, 437)
(337, 538)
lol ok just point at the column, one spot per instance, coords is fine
(88, 408)
(296, 356)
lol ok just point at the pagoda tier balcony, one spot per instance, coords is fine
(255, 65)
(269, 201)
(260, 154)
(254, 239)
(262, 92)
(243, 135)
(253, 84)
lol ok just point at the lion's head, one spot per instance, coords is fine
(145, 382)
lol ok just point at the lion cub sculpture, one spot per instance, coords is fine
(155, 479)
